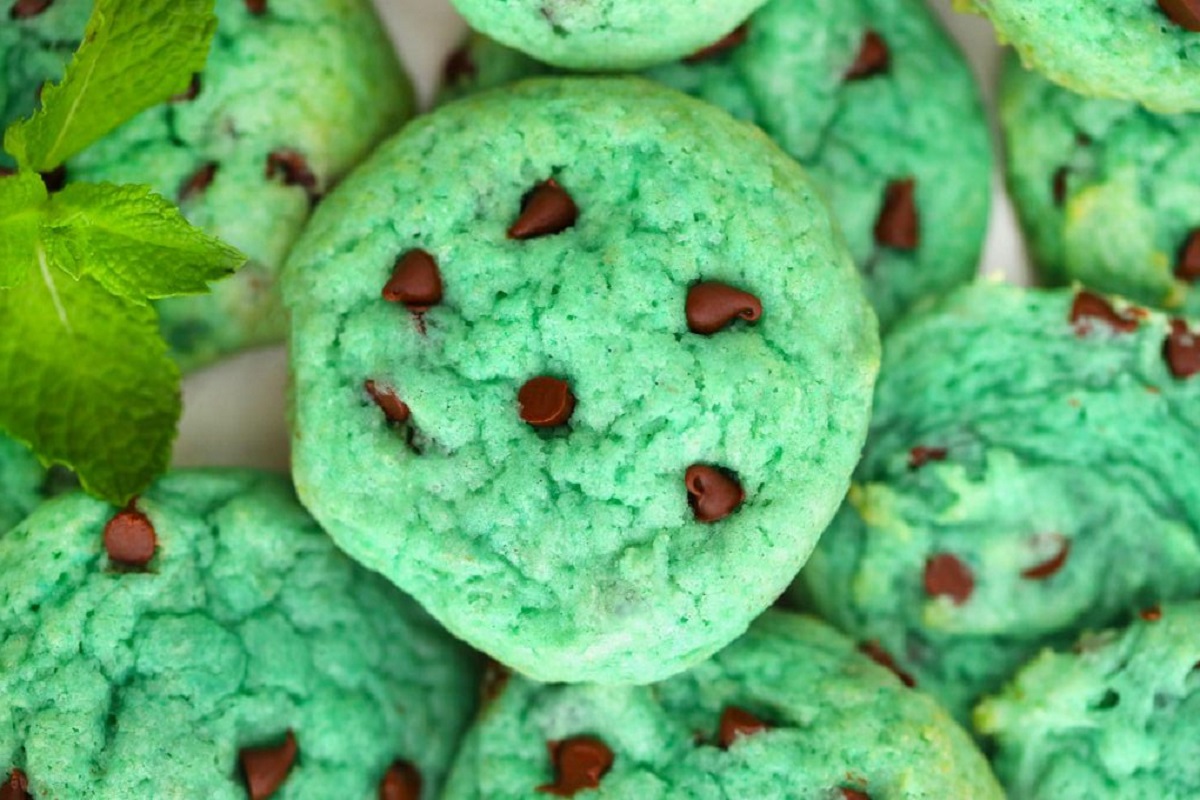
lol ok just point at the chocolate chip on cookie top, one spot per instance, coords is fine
(898, 225)
(15, 787)
(1089, 306)
(713, 493)
(416, 282)
(874, 651)
(712, 305)
(402, 781)
(874, 58)
(546, 209)
(293, 167)
(256, 7)
(728, 42)
(24, 9)
(1184, 13)
(546, 402)
(921, 455)
(1055, 562)
(946, 575)
(129, 538)
(1187, 263)
(266, 768)
(579, 763)
(854, 794)
(1182, 350)
(736, 723)
(198, 182)
(395, 409)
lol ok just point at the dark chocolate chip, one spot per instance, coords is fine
(579, 763)
(920, 455)
(24, 9)
(731, 40)
(402, 781)
(875, 652)
(546, 402)
(129, 538)
(1184, 13)
(712, 493)
(191, 93)
(946, 575)
(1182, 350)
(199, 182)
(1058, 186)
(899, 223)
(293, 167)
(737, 722)
(1050, 566)
(15, 787)
(256, 7)
(1151, 614)
(546, 210)
(395, 409)
(1089, 306)
(7, 172)
(55, 179)
(1187, 262)
(495, 679)
(873, 58)
(712, 306)
(266, 768)
(458, 67)
(854, 794)
(415, 281)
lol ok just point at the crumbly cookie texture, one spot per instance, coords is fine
(247, 151)
(1113, 717)
(211, 642)
(1026, 477)
(547, 382)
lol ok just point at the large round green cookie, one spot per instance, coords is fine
(570, 551)
(21, 481)
(606, 34)
(1118, 717)
(867, 95)
(837, 727)
(1028, 474)
(1108, 192)
(271, 127)
(1142, 50)
(152, 682)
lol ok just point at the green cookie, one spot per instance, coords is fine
(536, 437)
(21, 481)
(1142, 50)
(1028, 474)
(290, 99)
(1116, 718)
(125, 681)
(606, 34)
(867, 95)
(790, 710)
(1108, 192)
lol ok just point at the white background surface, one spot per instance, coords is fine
(234, 413)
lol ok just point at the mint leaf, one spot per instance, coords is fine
(135, 243)
(22, 209)
(135, 54)
(87, 381)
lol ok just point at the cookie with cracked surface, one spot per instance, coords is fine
(210, 641)
(872, 98)
(1147, 51)
(790, 710)
(1108, 193)
(246, 151)
(590, 417)
(606, 34)
(1115, 716)
(22, 478)
(1006, 503)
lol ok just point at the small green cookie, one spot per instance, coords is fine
(247, 655)
(1028, 474)
(264, 131)
(873, 99)
(1108, 192)
(584, 366)
(606, 34)
(1118, 717)
(21, 481)
(1142, 50)
(790, 710)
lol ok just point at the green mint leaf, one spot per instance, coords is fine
(135, 54)
(22, 210)
(134, 242)
(87, 381)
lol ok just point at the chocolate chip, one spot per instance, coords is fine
(1089, 306)
(737, 722)
(129, 538)
(7, 172)
(919, 456)
(415, 281)
(1058, 186)
(459, 66)
(875, 652)
(1151, 614)
(731, 40)
(266, 768)
(1184, 13)
(899, 225)
(24, 9)
(495, 679)
(712, 306)
(191, 93)
(256, 7)
(199, 182)
(1182, 350)
(1187, 262)
(579, 763)
(546, 402)
(55, 179)
(946, 575)
(402, 781)
(873, 58)
(392, 406)
(546, 210)
(854, 794)
(1053, 564)
(16, 787)
(713, 493)
(293, 166)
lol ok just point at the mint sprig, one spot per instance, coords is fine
(87, 377)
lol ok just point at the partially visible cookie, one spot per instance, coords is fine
(1028, 475)
(606, 34)
(21, 481)
(1147, 51)
(1117, 716)
(876, 103)
(790, 710)
(1108, 193)
(210, 642)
